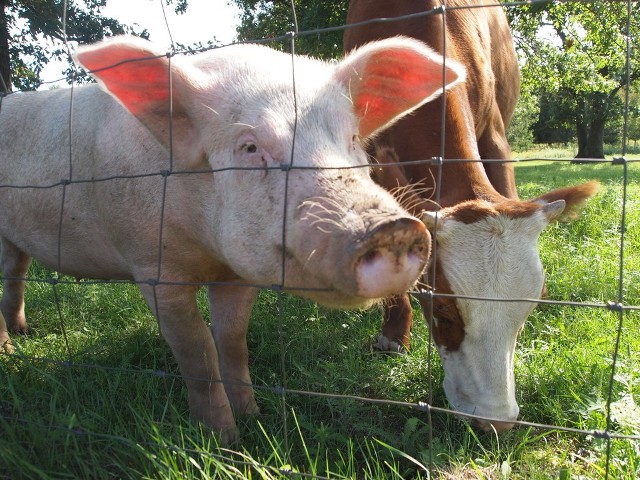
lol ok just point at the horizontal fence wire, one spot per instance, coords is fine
(615, 305)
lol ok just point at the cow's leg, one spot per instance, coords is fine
(193, 346)
(396, 329)
(493, 145)
(230, 310)
(14, 264)
(502, 177)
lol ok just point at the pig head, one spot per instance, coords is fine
(215, 169)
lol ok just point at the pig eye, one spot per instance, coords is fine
(250, 147)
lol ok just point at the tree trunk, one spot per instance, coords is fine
(582, 135)
(5, 59)
(592, 143)
(590, 126)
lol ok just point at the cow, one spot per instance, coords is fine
(176, 172)
(485, 237)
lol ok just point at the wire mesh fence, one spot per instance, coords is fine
(59, 289)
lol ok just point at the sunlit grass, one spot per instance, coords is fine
(117, 411)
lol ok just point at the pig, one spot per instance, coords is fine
(214, 170)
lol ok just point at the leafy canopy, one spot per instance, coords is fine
(33, 33)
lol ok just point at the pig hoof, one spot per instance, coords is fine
(229, 436)
(252, 411)
(385, 345)
(22, 330)
(5, 345)
(18, 325)
(248, 410)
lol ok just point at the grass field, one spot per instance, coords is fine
(115, 407)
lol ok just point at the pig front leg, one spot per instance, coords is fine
(14, 264)
(5, 341)
(194, 348)
(230, 311)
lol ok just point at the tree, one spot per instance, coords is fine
(520, 134)
(578, 49)
(32, 34)
(634, 115)
(556, 118)
(274, 18)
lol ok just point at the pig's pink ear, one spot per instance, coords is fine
(390, 78)
(138, 75)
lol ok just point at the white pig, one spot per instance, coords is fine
(175, 172)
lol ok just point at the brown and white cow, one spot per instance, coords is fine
(486, 239)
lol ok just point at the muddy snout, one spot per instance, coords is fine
(391, 257)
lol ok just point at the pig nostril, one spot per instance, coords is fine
(398, 240)
(391, 257)
(418, 248)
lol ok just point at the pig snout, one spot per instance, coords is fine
(391, 257)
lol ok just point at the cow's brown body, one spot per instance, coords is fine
(475, 117)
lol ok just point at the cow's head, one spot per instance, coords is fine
(489, 250)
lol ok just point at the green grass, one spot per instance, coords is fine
(559, 151)
(111, 415)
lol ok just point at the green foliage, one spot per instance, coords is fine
(573, 56)
(634, 113)
(520, 134)
(37, 31)
(556, 121)
(264, 19)
(575, 45)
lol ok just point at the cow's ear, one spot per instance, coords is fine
(553, 211)
(154, 87)
(571, 198)
(389, 78)
(431, 220)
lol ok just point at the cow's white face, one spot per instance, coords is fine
(489, 251)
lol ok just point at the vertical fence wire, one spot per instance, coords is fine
(429, 315)
(619, 306)
(623, 222)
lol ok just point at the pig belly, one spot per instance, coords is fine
(82, 257)
(79, 246)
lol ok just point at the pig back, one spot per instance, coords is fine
(77, 169)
